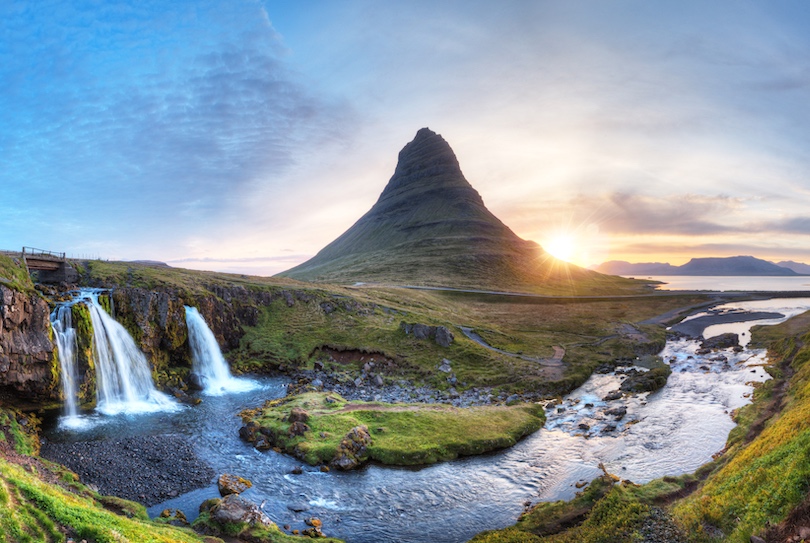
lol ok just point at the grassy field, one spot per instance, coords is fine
(305, 321)
(401, 434)
(14, 275)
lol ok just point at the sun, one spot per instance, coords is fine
(561, 246)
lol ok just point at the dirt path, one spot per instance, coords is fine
(554, 361)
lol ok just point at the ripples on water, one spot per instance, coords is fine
(669, 432)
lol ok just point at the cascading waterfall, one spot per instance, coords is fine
(62, 324)
(208, 364)
(123, 379)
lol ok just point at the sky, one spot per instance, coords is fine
(245, 135)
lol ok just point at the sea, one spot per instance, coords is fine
(730, 283)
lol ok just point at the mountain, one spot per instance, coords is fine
(430, 227)
(798, 267)
(733, 265)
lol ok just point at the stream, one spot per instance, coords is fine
(670, 432)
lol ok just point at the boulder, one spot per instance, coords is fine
(232, 484)
(297, 428)
(723, 341)
(444, 337)
(298, 414)
(234, 509)
(352, 451)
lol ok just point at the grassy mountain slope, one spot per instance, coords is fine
(431, 227)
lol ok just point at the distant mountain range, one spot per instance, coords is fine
(733, 265)
(430, 227)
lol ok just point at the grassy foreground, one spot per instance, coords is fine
(401, 434)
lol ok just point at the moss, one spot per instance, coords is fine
(402, 434)
(83, 324)
(14, 275)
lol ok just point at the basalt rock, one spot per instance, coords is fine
(232, 484)
(28, 357)
(723, 341)
(441, 334)
(353, 449)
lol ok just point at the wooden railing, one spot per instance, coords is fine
(31, 251)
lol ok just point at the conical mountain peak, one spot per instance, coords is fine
(431, 227)
(427, 163)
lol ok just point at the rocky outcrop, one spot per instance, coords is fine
(28, 358)
(353, 449)
(646, 381)
(440, 334)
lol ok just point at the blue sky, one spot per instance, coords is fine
(245, 135)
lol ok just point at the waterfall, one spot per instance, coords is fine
(123, 379)
(208, 364)
(62, 324)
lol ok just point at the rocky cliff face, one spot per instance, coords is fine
(28, 359)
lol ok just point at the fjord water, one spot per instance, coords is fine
(731, 283)
(669, 432)
(208, 364)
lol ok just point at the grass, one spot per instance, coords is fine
(294, 334)
(14, 275)
(768, 475)
(402, 434)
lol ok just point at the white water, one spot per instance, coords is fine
(123, 380)
(207, 360)
(62, 324)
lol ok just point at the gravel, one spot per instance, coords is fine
(146, 469)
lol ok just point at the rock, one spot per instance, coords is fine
(318, 365)
(610, 396)
(445, 366)
(358, 382)
(232, 484)
(298, 507)
(583, 426)
(195, 382)
(618, 412)
(378, 380)
(328, 307)
(297, 470)
(315, 522)
(723, 341)
(297, 428)
(317, 383)
(324, 469)
(298, 414)
(647, 381)
(443, 336)
(234, 509)
(756, 539)
(352, 450)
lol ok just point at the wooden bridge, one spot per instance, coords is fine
(51, 267)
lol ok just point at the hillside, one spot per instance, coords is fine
(728, 266)
(431, 227)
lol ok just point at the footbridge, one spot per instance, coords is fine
(50, 266)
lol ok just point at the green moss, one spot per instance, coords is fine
(402, 434)
(85, 355)
(14, 275)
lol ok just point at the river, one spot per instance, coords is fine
(669, 432)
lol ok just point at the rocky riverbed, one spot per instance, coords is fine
(146, 469)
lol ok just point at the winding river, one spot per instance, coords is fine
(669, 432)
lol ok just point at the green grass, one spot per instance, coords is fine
(402, 434)
(764, 479)
(14, 275)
